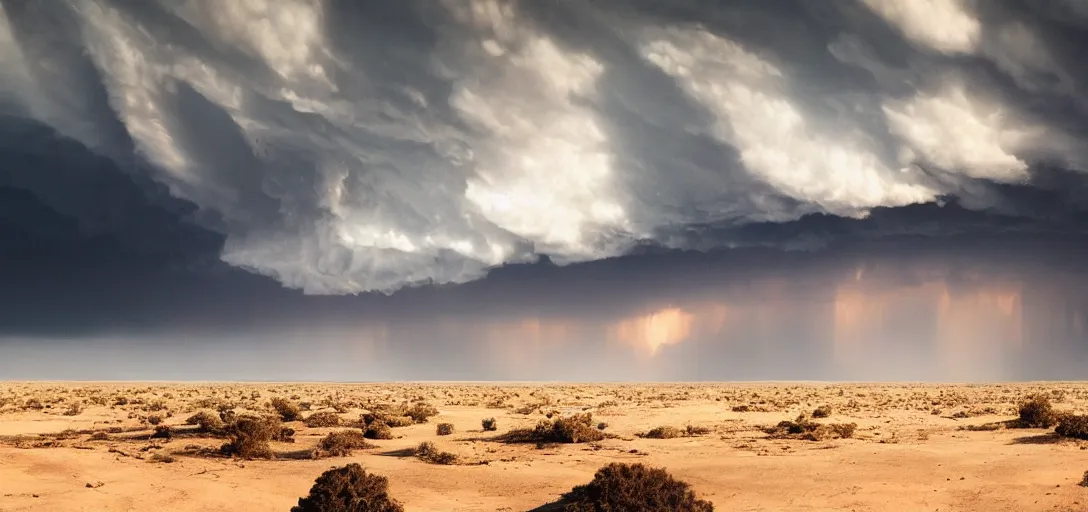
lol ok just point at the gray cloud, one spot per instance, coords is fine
(343, 147)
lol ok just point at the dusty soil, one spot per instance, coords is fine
(911, 450)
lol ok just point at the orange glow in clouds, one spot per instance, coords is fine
(650, 332)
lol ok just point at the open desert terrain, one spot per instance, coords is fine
(911, 447)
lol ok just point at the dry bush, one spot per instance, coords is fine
(428, 452)
(634, 488)
(323, 419)
(100, 436)
(985, 427)
(1036, 412)
(822, 411)
(378, 430)
(392, 420)
(1084, 481)
(287, 410)
(349, 489)
(341, 444)
(577, 428)
(206, 420)
(663, 433)
(34, 404)
(444, 429)
(1073, 425)
(250, 435)
(489, 424)
(741, 408)
(74, 410)
(420, 412)
(154, 419)
(804, 428)
(692, 430)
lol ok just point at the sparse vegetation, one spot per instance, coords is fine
(634, 488)
(342, 443)
(1074, 426)
(428, 452)
(287, 410)
(663, 433)
(741, 408)
(206, 420)
(489, 424)
(1037, 412)
(444, 429)
(804, 428)
(378, 430)
(420, 412)
(823, 411)
(1084, 481)
(322, 419)
(577, 428)
(250, 435)
(349, 489)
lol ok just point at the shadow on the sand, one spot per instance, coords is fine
(1048, 438)
(403, 452)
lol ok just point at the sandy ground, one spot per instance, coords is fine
(911, 450)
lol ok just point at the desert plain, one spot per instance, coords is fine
(98, 446)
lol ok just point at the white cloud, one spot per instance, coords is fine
(776, 143)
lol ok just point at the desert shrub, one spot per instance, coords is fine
(154, 419)
(741, 408)
(984, 427)
(602, 425)
(206, 421)
(1084, 481)
(822, 411)
(428, 452)
(250, 435)
(323, 419)
(341, 444)
(1073, 425)
(74, 410)
(804, 428)
(100, 436)
(663, 433)
(378, 430)
(843, 430)
(577, 428)
(692, 430)
(1036, 412)
(489, 424)
(162, 432)
(420, 412)
(34, 403)
(349, 489)
(444, 429)
(634, 488)
(287, 410)
(392, 420)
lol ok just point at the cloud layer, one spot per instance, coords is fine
(344, 147)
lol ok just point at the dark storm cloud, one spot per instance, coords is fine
(342, 147)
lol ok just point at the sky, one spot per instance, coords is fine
(615, 190)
